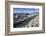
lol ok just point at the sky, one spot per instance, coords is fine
(25, 10)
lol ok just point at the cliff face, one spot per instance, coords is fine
(34, 22)
(30, 20)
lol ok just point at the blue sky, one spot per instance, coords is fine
(25, 10)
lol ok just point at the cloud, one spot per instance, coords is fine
(25, 10)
